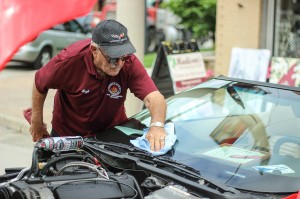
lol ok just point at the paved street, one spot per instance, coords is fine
(16, 87)
(15, 143)
(15, 149)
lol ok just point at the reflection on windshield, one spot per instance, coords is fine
(236, 132)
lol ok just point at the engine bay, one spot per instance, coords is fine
(74, 168)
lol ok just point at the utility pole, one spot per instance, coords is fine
(131, 13)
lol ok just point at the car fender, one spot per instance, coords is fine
(40, 42)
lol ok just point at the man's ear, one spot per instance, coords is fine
(93, 49)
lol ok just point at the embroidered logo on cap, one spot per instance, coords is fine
(119, 38)
(114, 90)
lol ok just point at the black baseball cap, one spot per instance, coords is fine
(113, 39)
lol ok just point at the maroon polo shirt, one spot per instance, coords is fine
(86, 102)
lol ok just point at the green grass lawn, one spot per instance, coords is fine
(149, 59)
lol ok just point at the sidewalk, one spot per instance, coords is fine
(15, 97)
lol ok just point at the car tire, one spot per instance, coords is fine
(43, 58)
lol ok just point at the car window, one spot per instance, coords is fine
(59, 27)
(69, 26)
(85, 20)
(73, 26)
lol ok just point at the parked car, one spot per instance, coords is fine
(90, 20)
(49, 43)
(234, 139)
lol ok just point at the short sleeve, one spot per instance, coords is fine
(140, 83)
(51, 76)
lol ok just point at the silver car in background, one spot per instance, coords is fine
(49, 43)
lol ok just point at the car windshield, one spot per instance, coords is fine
(238, 134)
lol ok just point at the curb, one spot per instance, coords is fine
(18, 125)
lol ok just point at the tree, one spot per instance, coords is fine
(198, 16)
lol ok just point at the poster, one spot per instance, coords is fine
(250, 64)
(236, 154)
(230, 129)
(187, 70)
(234, 127)
(285, 71)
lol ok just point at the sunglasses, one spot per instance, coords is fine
(113, 60)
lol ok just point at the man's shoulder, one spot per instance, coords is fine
(78, 47)
(133, 62)
(81, 44)
(75, 50)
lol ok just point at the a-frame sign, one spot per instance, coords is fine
(177, 67)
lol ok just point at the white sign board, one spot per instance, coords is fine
(251, 64)
(186, 70)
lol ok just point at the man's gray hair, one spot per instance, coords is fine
(94, 44)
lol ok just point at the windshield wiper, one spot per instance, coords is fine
(139, 153)
(170, 162)
(158, 162)
(121, 148)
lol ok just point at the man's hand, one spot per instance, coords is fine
(156, 137)
(38, 131)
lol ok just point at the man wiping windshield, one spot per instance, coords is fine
(92, 77)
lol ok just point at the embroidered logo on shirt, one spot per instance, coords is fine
(114, 90)
(85, 91)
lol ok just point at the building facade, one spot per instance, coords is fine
(258, 24)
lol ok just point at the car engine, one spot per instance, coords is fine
(64, 168)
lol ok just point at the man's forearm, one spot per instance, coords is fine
(38, 100)
(156, 104)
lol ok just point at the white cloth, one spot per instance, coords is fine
(143, 143)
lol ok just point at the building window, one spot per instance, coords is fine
(287, 29)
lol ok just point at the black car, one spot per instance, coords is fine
(234, 139)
